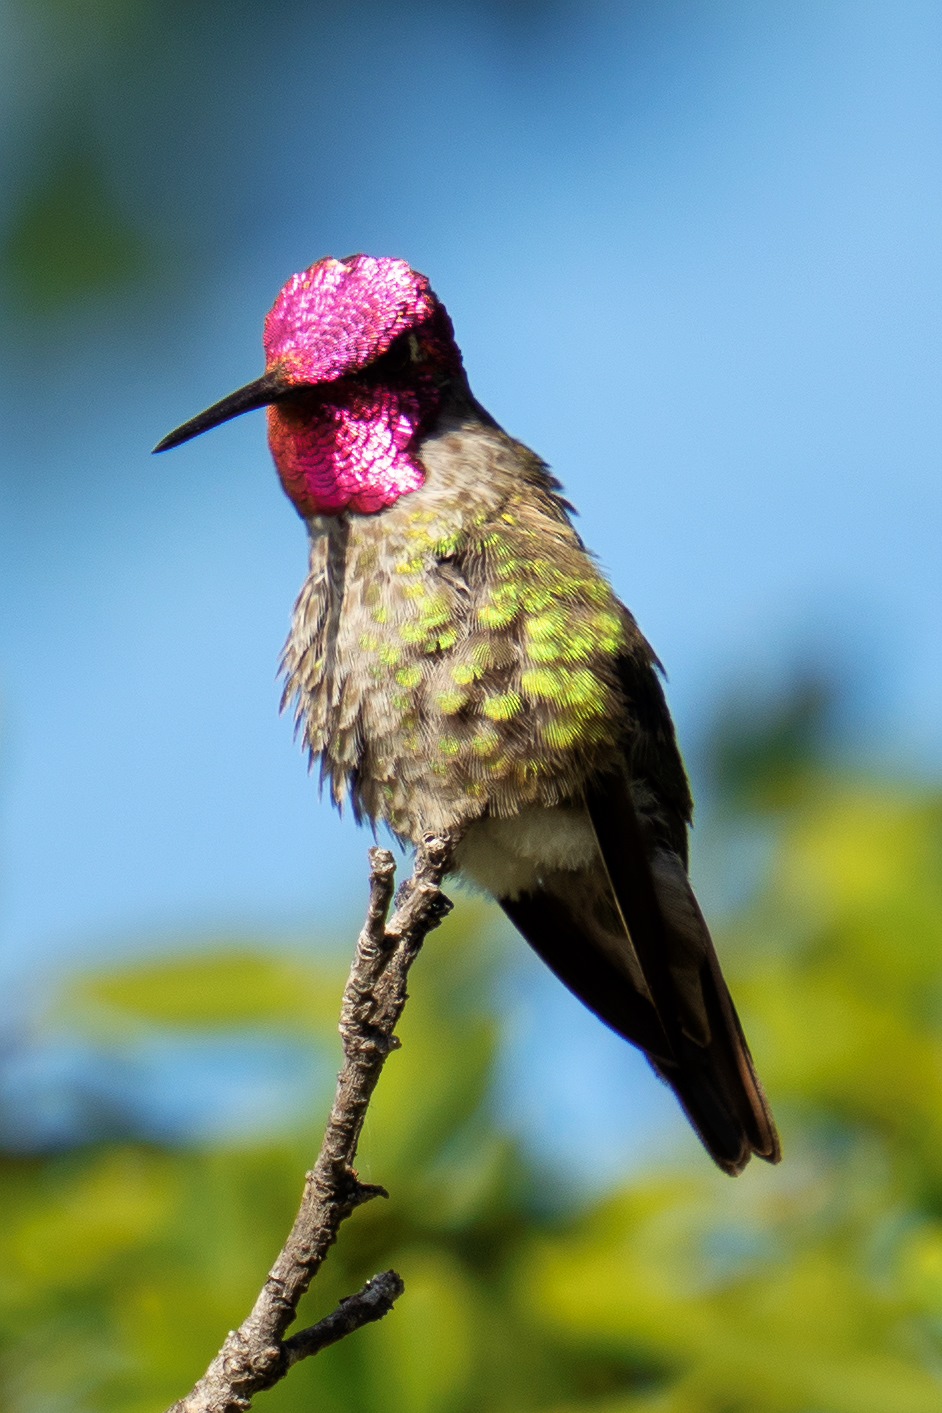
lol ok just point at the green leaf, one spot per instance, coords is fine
(227, 988)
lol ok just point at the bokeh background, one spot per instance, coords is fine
(691, 252)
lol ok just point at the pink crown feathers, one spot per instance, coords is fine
(338, 316)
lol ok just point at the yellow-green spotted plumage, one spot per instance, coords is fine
(458, 655)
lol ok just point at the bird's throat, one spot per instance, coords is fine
(356, 451)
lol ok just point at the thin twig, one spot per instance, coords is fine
(375, 1300)
(257, 1354)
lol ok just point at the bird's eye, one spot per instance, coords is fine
(404, 351)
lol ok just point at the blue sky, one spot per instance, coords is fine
(691, 253)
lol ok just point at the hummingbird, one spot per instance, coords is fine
(459, 664)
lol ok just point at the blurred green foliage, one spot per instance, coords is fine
(68, 237)
(813, 1288)
(93, 215)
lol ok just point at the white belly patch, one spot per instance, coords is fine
(507, 857)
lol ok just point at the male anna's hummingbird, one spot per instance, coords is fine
(459, 664)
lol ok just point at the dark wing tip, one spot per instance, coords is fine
(713, 1075)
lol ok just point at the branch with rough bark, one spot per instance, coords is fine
(258, 1354)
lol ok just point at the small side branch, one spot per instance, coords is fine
(375, 1300)
(257, 1354)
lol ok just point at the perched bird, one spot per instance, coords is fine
(458, 662)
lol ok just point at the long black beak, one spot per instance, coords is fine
(268, 388)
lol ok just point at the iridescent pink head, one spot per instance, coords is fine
(358, 353)
(337, 317)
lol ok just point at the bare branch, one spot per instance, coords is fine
(257, 1354)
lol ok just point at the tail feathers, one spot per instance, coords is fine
(629, 940)
(711, 1114)
(720, 1098)
(709, 1064)
(718, 1087)
(720, 1065)
(726, 1130)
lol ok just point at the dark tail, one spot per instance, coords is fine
(648, 969)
